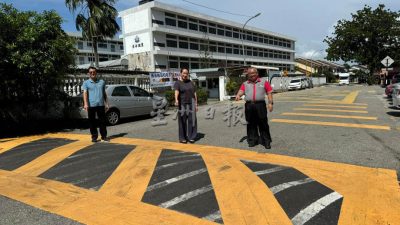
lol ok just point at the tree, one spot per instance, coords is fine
(35, 54)
(96, 19)
(370, 36)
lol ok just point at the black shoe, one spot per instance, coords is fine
(183, 142)
(268, 145)
(192, 141)
(94, 140)
(252, 144)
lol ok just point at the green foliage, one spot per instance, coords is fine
(35, 54)
(202, 96)
(370, 36)
(232, 87)
(96, 19)
(170, 96)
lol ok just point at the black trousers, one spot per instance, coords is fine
(257, 123)
(187, 123)
(101, 114)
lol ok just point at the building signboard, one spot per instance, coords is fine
(163, 79)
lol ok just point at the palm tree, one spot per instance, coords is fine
(96, 19)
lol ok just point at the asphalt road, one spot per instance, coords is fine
(358, 146)
(65, 173)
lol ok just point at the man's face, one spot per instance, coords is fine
(185, 74)
(92, 74)
(252, 74)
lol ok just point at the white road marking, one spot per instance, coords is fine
(313, 209)
(177, 163)
(272, 170)
(281, 187)
(179, 157)
(214, 216)
(175, 179)
(186, 196)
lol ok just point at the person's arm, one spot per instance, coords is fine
(240, 93)
(85, 100)
(268, 89)
(107, 106)
(195, 102)
(270, 102)
(176, 97)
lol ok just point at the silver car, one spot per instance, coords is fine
(124, 101)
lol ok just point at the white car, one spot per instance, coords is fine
(295, 84)
(124, 101)
(396, 95)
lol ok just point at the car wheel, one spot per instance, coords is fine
(112, 117)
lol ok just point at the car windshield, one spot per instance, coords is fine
(294, 81)
(344, 78)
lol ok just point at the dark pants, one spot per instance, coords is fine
(101, 114)
(257, 123)
(187, 123)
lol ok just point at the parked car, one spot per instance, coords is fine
(124, 101)
(396, 95)
(295, 84)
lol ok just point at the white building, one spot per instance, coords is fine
(108, 49)
(159, 36)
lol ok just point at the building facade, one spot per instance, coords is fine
(108, 49)
(159, 36)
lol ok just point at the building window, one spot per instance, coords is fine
(220, 32)
(89, 44)
(183, 44)
(170, 22)
(194, 46)
(182, 24)
(212, 30)
(193, 26)
(202, 28)
(172, 43)
(102, 45)
(81, 60)
(80, 45)
(159, 44)
(173, 64)
(221, 49)
(121, 47)
(159, 22)
(112, 48)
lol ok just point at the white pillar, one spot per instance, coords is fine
(221, 86)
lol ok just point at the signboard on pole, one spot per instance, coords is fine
(387, 61)
(163, 79)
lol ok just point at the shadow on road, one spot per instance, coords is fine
(394, 113)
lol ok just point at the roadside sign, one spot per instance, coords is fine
(387, 61)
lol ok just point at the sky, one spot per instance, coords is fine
(308, 21)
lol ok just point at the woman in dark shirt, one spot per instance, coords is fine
(186, 100)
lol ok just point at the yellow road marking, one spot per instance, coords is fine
(132, 176)
(14, 143)
(337, 106)
(353, 125)
(371, 195)
(329, 115)
(330, 110)
(85, 206)
(351, 97)
(51, 158)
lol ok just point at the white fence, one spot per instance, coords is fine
(73, 84)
